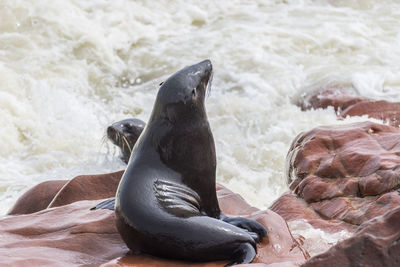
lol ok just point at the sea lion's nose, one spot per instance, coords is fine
(206, 65)
(111, 132)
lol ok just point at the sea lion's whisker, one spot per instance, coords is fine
(208, 88)
(127, 143)
(104, 139)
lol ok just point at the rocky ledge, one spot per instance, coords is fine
(68, 233)
(342, 176)
(376, 243)
(347, 103)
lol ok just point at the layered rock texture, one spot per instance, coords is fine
(376, 243)
(37, 198)
(344, 175)
(56, 193)
(69, 233)
(347, 104)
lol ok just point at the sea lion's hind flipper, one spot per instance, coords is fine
(253, 235)
(106, 204)
(248, 225)
(245, 253)
(177, 198)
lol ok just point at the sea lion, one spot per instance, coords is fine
(166, 204)
(124, 134)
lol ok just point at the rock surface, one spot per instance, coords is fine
(376, 243)
(279, 248)
(73, 235)
(347, 104)
(87, 187)
(344, 174)
(37, 198)
(62, 236)
(338, 98)
(61, 192)
(291, 208)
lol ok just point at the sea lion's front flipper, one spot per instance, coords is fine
(247, 224)
(177, 199)
(106, 204)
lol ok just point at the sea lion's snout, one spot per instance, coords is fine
(113, 135)
(187, 84)
(204, 69)
(197, 79)
(205, 66)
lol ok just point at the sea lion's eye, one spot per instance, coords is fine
(161, 83)
(194, 93)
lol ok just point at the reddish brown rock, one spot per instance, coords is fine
(61, 192)
(338, 98)
(280, 246)
(378, 109)
(73, 235)
(87, 187)
(291, 207)
(347, 104)
(376, 243)
(344, 174)
(145, 261)
(37, 198)
(63, 236)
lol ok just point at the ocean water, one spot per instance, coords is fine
(70, 68)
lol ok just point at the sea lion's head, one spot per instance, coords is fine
(124, 135)
(181, 97)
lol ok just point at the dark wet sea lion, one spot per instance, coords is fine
(166, 203)
(124, 134)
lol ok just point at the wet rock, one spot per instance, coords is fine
(378, 109)
(73, 235)
(376, 243)
(347, 104)
(345, 174)
(62, 192)
(338, 98)
(62, 236)
(37, 198)
(291, 208)
(279, 248)
(87, 187)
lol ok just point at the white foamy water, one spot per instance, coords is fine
(316, 240)
(70, 68)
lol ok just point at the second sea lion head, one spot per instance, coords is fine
(124, 134)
